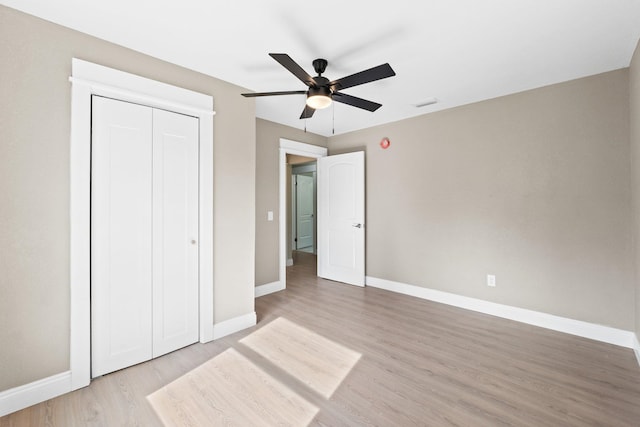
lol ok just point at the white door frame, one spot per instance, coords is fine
(301, 149)
(91, 79)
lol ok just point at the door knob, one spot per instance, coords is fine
(357, 225)
(193, 241)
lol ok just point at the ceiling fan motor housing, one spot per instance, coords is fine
(320, 91)
(320, 81)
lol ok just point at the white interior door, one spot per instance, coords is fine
(304, 211)
(144, 261)
(341, 218)
(175, 231)
(121, 229)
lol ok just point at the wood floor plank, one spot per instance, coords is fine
(418, 363)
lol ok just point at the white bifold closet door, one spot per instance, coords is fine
(144, 228)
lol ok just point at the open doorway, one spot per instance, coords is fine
(340, 207)
(301, 205)
(297, 153)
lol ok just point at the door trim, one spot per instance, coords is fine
(301, 149)
(91, 79)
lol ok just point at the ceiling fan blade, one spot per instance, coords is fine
(307, 112)
(372, 74)
(290, 92)
(288, 63)
(355, 101)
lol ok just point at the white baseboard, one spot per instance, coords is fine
(21, 397)
(289, 262)
(228, 327)
(636, 347)
(269, 288)
(561, 324)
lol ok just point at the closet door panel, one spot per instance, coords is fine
(121, 235)
(175, 231)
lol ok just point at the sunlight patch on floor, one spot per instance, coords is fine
(314, 360)
(230, 390)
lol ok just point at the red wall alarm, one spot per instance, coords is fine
(385, 143)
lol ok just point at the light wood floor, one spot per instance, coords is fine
(329, 354)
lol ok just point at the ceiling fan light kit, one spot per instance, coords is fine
(322, 92)
(319, 98)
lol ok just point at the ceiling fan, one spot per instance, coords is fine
(321, 91)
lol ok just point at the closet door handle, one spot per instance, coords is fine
(193, 241)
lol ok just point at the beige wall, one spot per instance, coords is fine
(268, 136)
(35, 64)
(532, 187)
(634, 98)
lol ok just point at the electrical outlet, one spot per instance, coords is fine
(269, 215)
(491, 280)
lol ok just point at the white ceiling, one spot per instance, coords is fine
(458, 51)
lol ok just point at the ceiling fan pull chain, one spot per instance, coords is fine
(333, 120)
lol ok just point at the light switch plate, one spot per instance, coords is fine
(491, 280)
